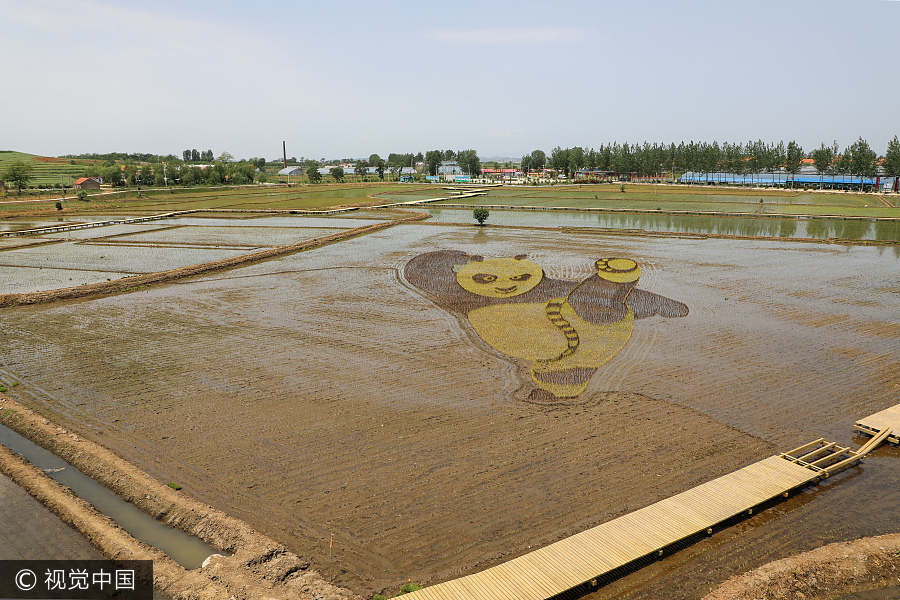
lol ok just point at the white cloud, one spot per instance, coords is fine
(508, 35)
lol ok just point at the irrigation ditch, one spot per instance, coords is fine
(125, 513)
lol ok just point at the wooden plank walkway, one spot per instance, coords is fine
(582, 557)
(585, 556)
(888, 418)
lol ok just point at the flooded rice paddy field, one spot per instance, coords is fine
(29, 531)
(34, 223)
(20, 280)
(23, 267)
(29, 264)
(250, 237)
(21, 223)
(320, 394)
(15, 242)
(803, 227)
(96, 232)
(279, 221)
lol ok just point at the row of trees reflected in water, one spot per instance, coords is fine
(848, 229)
(814, 228)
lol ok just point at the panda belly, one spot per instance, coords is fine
(520, 330)
(525, 331)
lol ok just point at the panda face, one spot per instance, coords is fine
(499, 277)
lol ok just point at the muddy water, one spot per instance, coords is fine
(803, 227)
(187, 550)
(280, 221)
(29, 531)
(14, 280)
(318, 394)
(41, 267)
(252, 237)
(21, 223)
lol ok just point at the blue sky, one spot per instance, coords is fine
(351, 78)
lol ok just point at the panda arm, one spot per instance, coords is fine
(432, 272)
(646, 304)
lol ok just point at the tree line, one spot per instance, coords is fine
(149, 174)
(648, 159)
(643, 159)
(123, 156)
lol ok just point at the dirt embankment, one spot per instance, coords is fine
(825, 573)
(257, 568)
(126, 284)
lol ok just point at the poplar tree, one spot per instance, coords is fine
(892, 158)
(793, 159)
(822, 157)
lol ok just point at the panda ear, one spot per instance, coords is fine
(520, 256)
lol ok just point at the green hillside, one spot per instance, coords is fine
(46, 171)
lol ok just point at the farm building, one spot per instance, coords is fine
(592, 174)
(86, 183)
(449, 167)
(501, 173)
(286, 173)
(806, 177)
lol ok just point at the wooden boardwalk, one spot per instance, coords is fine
(583, 557)
(888, 419)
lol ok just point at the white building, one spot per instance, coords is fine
(449, 167)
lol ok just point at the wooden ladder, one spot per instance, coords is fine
(828, 458)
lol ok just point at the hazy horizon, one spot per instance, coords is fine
(503, 78)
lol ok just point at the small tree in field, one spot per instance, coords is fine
(481, 215)
(313, 173)
(337, 173)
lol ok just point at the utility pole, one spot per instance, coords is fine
(165, 176)
(284, 153)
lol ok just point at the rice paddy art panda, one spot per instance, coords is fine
(566, 330)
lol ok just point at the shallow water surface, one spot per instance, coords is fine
(801, 227)
(187, 550)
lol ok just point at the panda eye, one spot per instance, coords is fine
(521, 277)
(484, 278)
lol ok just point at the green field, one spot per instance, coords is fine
(46, 171)
(637, 197)
(308, 197)
(681, 198)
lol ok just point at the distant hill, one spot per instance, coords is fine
(46, 170)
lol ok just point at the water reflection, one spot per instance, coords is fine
(816, 228)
